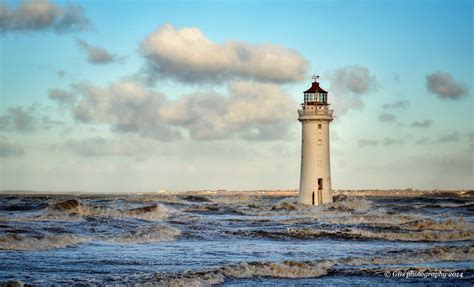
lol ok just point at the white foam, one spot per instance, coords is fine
(20, 242)
(148, 234)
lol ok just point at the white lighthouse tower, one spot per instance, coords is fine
(315, 117)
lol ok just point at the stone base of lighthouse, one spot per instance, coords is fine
(315, 177)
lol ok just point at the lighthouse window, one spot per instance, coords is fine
(319, 126)
(320, 184)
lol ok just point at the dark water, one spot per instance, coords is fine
(235, 240)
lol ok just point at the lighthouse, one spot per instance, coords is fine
(315, 175)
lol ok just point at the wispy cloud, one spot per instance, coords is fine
(187, 55)
(62, 97)
(40, 15)
(9, 149)
(348, 85)
(448, 138)
(423, 141)
(17, 118)
(392, 141)
(388, 118)
(444, 86)
(398, 105)
(103, 147)
(97, 55)
(422, 124)
(388, 141)
(21, 119)
(368, 142)
(396, 77)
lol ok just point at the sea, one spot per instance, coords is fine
(238, 239)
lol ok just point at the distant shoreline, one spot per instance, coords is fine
(276, 193)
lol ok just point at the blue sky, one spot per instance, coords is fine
(399, 75)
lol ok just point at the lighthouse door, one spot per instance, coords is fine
(320, 191)
(313, 197)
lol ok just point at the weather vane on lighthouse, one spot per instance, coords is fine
(315, 117)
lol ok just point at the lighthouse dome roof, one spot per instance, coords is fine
(315, 88)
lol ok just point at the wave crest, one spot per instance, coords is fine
(21, 242)
(148, 234)
(286, 269)
(359, 234)
(71, 209)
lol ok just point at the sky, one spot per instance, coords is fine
(139, 96)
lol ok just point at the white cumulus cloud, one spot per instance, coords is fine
(188, 55)
(250, 110)
(38, 15)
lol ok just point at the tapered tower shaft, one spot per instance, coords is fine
(315, 177)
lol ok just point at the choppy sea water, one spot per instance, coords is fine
(183, 240)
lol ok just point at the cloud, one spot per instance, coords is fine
(392, 141)
(96, 55)
(423, 141)
(355, 79)
(399, 105)
(187, 55)
(125, 106)
(41, 15)
(16, 118)
(348, 85)
(101, 147)
(447, 170)
(396, 77)
(61, 74)
(470, 136)
(388, 118)
(448, 138)
(61, 96)
(20, 119)
(385, 142)
(368, 142)
(250, 110)
(444, 86)
(422, 124)
(8, 149)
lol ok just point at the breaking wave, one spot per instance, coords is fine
(429, 224)
(148, 234)
(286, 269)
(40, 241)
(360, 234)
(434, 254)
(44, 242)
(71, 210)
(341, 204)
(350, 204)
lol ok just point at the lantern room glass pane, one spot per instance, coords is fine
(308, 97)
